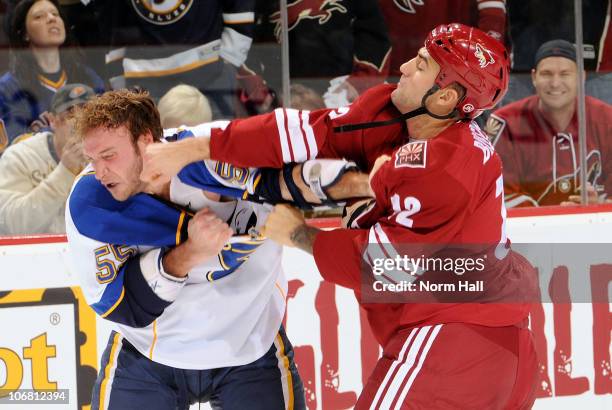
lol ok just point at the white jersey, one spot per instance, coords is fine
(226, 313)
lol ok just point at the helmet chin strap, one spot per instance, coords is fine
(419, 111)
(374, 124)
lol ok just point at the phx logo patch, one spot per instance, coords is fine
(162, 12)
(484, 56)
(412, 155)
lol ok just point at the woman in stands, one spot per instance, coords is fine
(43, 58)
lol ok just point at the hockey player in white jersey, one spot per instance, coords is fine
(198, 319)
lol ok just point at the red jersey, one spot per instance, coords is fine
(541, 163)
(446, 190)
(409, 22)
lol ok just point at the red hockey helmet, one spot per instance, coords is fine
(474, 60)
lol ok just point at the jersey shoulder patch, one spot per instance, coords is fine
(412, 155)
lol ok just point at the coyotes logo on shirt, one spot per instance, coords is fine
(407, 6)
(412, 155)
(320, 10)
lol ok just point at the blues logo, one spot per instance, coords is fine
(162, 12)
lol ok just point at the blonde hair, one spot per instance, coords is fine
(183, 105)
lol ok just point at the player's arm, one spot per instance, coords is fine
(269, 140)
(403, 219)
(313, 182)
(134, 289)
(337, 252)
(120, 282)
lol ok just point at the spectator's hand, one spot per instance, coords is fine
(163, 161)
(593, 197)
(72, 156)
(207, 234)
(281, 224)
(43, 121)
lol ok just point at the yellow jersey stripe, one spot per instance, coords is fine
(285, 361)
(222, 262)
(154, 339)
(107, 371)
(54, 84)
(170, 71)
(281, 291)
(180, 227)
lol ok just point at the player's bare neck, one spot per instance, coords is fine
(425, 127)
(162, 191)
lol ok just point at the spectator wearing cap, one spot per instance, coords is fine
(36, 174)
(43, 58)
(537, 137)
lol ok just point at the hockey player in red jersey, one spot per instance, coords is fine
(437, 180)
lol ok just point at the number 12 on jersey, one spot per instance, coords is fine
(403, 211)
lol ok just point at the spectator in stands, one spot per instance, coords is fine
(157, 45)
(183, 105)
(537, 137)
(342, 41)
(409, 22)
(36, 174)
(43, 59)
(534, 22)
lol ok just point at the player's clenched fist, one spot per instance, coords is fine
(163, 161)
(282, 223)
(207, 234)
